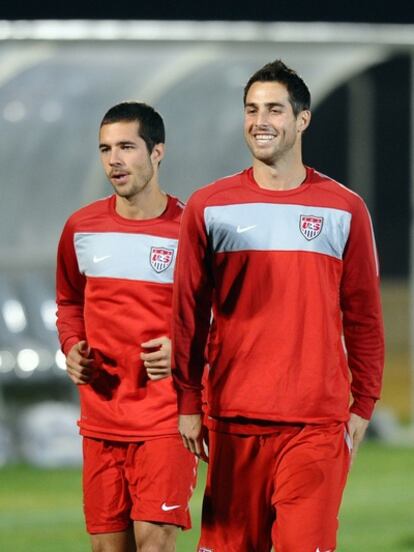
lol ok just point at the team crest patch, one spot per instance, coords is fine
(310, 226)
(161, 258)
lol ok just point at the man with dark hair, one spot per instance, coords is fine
(286, 259)
(114, 288)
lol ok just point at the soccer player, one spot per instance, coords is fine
(285, 257)
(114, 291)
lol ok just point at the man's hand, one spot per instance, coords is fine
(189, 426)
(157, 363)
(357, 427)
(78, 363)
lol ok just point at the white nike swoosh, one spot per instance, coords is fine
(241, 229)
(168, 508)
(97, 259)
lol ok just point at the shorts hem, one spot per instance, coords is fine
(183, 524)
(102, 529)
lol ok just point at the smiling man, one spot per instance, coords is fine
(114, 290)
(286, 259)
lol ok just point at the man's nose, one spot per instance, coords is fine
(262, 118)
(114, 158)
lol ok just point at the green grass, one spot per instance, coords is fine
(40, 510)
(378, 508)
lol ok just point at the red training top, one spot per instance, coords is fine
(292, 277)
(114, 289)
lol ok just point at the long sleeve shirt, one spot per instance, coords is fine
(114, 290)
(283, 287)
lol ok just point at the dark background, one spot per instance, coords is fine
(350, 11)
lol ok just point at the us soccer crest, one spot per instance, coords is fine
(310, 226)
(161, 258)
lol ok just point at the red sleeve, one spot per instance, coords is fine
(191, 308)
(362, 313)
(70, 284)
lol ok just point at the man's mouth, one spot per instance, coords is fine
(263, 138)
(119, 177)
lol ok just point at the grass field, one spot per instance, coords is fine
(40, 511)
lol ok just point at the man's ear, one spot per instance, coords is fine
(157, 153)
(303, 120)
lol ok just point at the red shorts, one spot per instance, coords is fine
(283, 488)
(147, 481)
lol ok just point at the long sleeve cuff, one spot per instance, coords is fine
(189, 401)
(363, 406)
(69, 343)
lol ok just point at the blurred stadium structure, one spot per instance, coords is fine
(58, 78)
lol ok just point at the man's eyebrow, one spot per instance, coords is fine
(120, 143)
(275, 104)
(267, 104)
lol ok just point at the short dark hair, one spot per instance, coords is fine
(277, 71)
(151, 125)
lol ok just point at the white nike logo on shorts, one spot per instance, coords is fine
(166, 508)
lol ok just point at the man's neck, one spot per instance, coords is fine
(145, 205)
(279, 176)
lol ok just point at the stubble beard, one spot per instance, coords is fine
(271, 157)
(135, 188)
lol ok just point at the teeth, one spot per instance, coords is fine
(264, 137)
